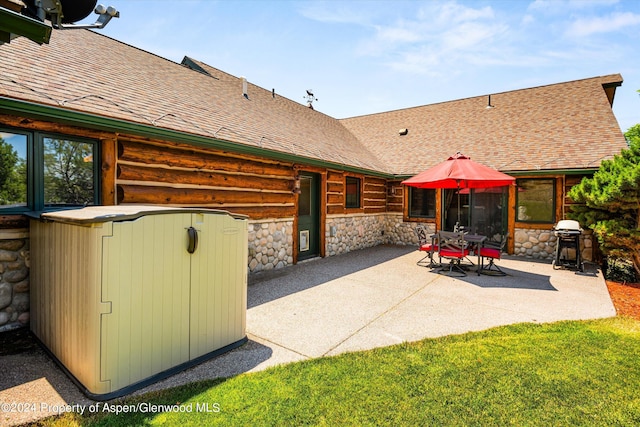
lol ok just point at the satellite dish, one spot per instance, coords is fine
(76, 10)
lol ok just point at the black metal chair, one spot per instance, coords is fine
(426, 244)
(452, 246)
(492, 250)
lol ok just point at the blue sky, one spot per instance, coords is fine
(362, 57)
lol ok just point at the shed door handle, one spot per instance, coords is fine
(193, 240)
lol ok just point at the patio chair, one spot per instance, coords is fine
(426, 244)
(452, 246)
(492, 250)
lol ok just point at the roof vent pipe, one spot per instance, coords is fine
(244, 87)
(489, 103)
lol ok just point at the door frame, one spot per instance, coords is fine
(320, 176)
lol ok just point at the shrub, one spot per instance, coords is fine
(619, 270)
(611, 202)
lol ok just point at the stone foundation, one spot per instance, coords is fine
(270, 244)
(398, 232)
(346, 233)
(14, 279)
(541, 244)
(352, 232)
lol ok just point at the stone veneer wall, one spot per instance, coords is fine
(14, 279)
(351, 232)
(271, 241)
(398, 232)
(345, 233)
(541, 244)
(270, 244)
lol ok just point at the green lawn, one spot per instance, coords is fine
(560, 374)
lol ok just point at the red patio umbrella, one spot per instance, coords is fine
(459, 171)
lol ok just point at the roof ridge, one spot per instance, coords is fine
(267, 91)
(615, 78)
(128, 45)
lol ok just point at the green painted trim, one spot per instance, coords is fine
(549, 172)
(15, 23)
(95, 122)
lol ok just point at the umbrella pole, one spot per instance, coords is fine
(458, 204)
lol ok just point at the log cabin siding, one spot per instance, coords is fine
(335, 192)
(374, 195)
(395, 192)
(176, 174)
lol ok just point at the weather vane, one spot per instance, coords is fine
(310, 98)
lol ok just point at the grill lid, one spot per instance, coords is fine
(567, 228)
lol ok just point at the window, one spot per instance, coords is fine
(304, 200)
(41, 171)
(352, 194)
(13, 170)
(422, 202)
(536, 200)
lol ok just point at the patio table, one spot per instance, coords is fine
(476, 241)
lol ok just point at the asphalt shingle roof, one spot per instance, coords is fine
(86, 71)
(561, 126)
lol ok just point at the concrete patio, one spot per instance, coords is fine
(380, 297)
(361, 300)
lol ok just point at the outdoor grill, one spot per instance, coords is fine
(568, 234)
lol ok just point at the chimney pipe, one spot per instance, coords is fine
(244, 87)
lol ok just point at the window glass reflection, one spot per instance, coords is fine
(535, 200)
(68, 172)
(13, 170)
(304, 201)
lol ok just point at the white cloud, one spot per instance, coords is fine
(528, 19)
(562, 6)
(586, 26)
(471, 35)
(400, 34)
(441, 36)
(453, 12)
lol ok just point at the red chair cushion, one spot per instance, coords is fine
(454, 253)
(428, 247)
(490, 253)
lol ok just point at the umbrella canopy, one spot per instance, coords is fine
(459, 171)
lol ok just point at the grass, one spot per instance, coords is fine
(560, 374)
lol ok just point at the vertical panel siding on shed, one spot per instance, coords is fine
(66, 302)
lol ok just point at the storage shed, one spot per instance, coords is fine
(123, 296)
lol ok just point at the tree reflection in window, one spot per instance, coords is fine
(535, 200)
(68, 172)
(13, 170)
